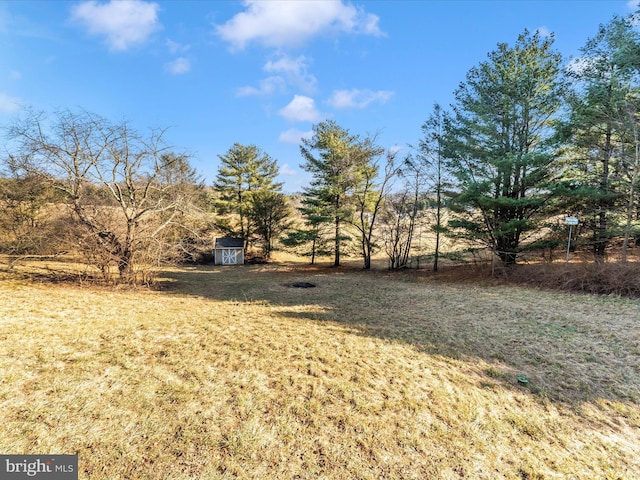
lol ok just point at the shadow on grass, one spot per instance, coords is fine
(571, 349)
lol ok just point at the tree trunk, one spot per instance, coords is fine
(367, 255)
(436, 254)
(508, 258)
(632, 190)
(507, 250)
(336, 258)
(366, 242)
(125, 266)
(601, 240)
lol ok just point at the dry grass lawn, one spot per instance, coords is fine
(229, 372)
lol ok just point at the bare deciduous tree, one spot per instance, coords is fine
(370, 194)
(114, 181)
(26, 225)
(400, 214)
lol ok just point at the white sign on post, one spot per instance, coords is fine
(571, 221)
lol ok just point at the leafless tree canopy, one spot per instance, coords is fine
(124, 189)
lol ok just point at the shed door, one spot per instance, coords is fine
(229, 257)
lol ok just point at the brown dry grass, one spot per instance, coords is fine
(612, 278)
(228, 372)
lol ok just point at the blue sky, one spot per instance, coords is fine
(263, 72)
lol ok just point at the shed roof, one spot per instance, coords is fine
(227, 242)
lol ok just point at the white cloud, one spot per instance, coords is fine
(301, 109)
(543, 31)
(581, 65)
(15, 75)
(295, 72)
(356, 98)
(290, 71)
(287, 170)
(286, 23)
(286, 64)
(633, 4)
(294, 136)
(175, 47)
(179, 66)
(8, 104)
(248, 91)
(267, 86)
(123, 23)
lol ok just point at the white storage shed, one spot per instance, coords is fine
(229, 251)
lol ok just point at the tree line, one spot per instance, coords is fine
(529, 139)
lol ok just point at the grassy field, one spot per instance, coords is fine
(230, 372)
